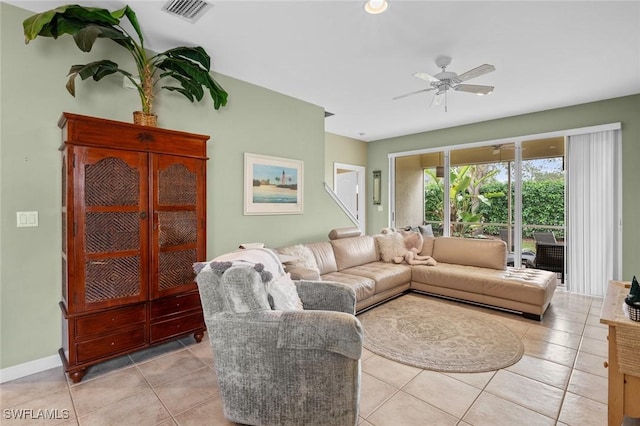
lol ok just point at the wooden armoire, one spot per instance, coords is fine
(133, 224)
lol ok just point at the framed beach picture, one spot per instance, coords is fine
(272, 185)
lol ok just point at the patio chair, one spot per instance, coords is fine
(545, 237)
(550, 257)
(527, 255)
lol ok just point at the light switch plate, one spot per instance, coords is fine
(26, 219)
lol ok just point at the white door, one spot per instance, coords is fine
(348, 185)
(347, 190)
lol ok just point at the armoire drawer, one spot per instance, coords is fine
(174, 305)
(109, 320)
(177, 326)
(110, 345)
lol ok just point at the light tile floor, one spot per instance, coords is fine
(559, 381)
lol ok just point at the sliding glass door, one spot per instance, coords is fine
(555, 199)
(505, 191)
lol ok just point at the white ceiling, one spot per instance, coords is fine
(547, 54)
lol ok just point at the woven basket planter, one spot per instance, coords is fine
(144, 119)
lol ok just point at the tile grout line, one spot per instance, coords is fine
(573, 366)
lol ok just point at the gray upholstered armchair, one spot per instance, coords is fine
(283, 367)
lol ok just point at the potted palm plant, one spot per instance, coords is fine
(188, 67)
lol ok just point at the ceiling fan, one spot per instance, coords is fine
(445, 80)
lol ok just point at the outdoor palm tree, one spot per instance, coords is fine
(464, 195)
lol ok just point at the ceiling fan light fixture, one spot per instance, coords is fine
(376, 7)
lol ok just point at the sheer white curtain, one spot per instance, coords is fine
(593, 211)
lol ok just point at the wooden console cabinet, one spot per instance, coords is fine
(133, 223)
(624, 356)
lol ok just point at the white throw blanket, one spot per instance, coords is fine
(251, 257)
(280, 287)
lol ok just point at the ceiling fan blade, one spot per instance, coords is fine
(412, 93)
(474, 88)
(437, 100)
(476, 72)
(426, 77)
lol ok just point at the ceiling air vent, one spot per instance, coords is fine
(190, 10)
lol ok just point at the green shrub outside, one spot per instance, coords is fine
(543, 204)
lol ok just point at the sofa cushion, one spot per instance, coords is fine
(355, 251)
(459, 277)
(325, 259)
(427, 246)
(363, 286)
(386, 275)
(489, 282)
(472, 252)
(533, 286)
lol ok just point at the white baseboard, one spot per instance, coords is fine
(28, 368)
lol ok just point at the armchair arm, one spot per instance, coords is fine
(274, 331)
(326, 296)
(336, 332)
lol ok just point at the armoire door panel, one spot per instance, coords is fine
(111, 229)
(175, 271)
(178, 189)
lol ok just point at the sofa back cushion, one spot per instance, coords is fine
(354, 251)
(427, 246)
(472, 252)
(323, 252)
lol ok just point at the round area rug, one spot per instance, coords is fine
(436, 335)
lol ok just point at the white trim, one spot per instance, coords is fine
(391, 184)
(517, 208)
(617, 270)
(340, 204)
(362, 193)
(446, 219)
(28, 368)
(524, 138)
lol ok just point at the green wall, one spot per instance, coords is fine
(32, 83)
(341, 149)
(625, 110)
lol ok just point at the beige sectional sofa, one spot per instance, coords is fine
(468, 269)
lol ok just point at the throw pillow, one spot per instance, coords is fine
(304, 257)
(426, 230)
(283, 294)
(390, 246)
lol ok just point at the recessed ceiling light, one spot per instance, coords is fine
(375, 7)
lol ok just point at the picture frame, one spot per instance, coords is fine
(272, 185)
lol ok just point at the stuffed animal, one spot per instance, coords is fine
(402, 246)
